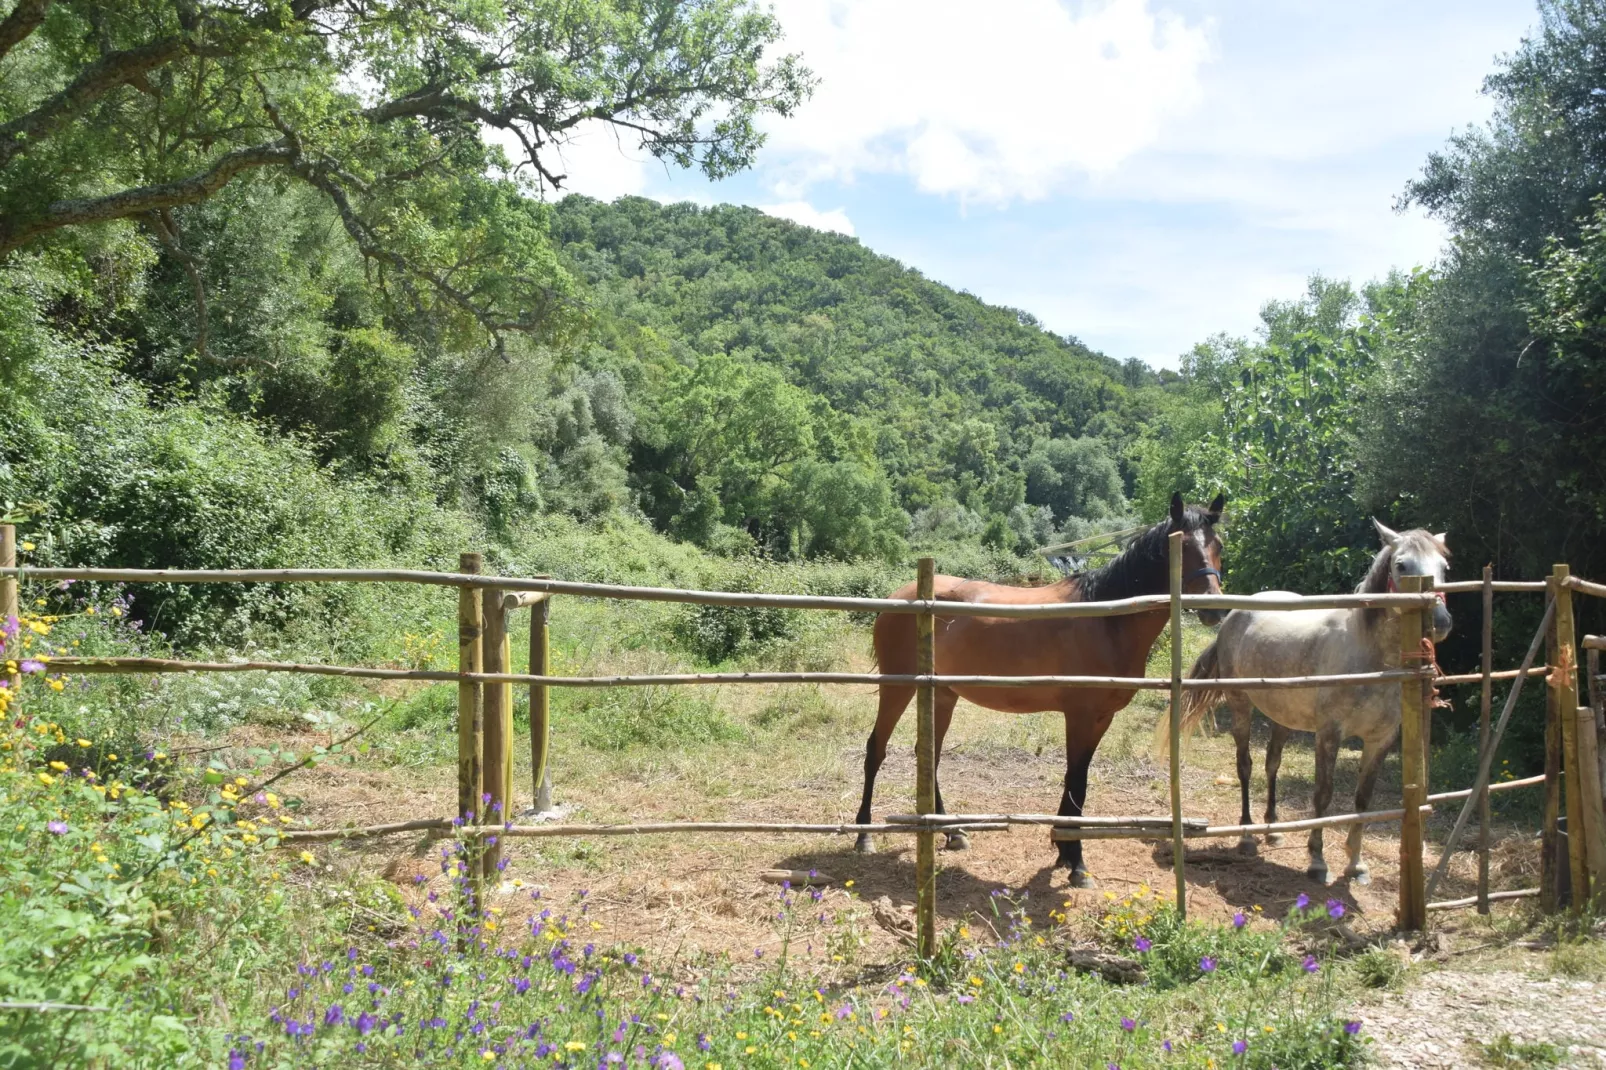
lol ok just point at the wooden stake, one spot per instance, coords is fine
(1487, 701)
(1564, 682)
(498, 730)
(1177, 853)
(1550, 892)
(1591, 818)
(540, 705)
(925, 767)
(8, 593)
(1413, 772)
(470, 709)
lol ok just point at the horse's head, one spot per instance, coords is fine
(1201, 549)
(1417, 552)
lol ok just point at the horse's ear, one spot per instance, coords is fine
(1216, 507)
(1176, 511)
(1389, 536)
(1444, 547)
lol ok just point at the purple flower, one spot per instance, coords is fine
(1207, 965)
(966, 999)
(1067, 1017)
(365, 1023)
(1142, 944)
(1128, 1024)
(236, 1060)
(1352, 1028)
(58, 827)
(334, 1015)
(1239, 1047)
(668, 1060)
(1310, 964)
(1335, 909)
(1166, 1046)
(1302, 902)
(1239, 921)
(843, 1011)
(30, 665)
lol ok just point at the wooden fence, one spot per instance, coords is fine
(1572, 776)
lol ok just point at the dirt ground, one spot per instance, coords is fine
(699, 895)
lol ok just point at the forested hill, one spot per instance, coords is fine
(976, 414)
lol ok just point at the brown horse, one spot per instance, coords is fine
(1046, 646)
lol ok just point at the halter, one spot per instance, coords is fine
(1206, 571)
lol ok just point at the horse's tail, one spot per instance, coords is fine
(1196, 704)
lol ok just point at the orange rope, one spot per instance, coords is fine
(1428, 655)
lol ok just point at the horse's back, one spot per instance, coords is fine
(1308, 642)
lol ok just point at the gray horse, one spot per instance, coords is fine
(1319, 642)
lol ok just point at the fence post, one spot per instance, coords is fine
(1550, 893)
(8, 591)
(1178, 864)
(1564, 682)
(925, 766)
(470, 709)
(1591, 779)
(1486, 700)
(498, 729)
(1413, 914)
(540, 704)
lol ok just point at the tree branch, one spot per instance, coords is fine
(98, 79)
(143, 199)
(23, 20)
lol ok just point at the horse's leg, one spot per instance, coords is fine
(1372, 752)
(1274, 761)
(944, 716)
(894, 700)
(1079, 746)
(1327, 740)
(1243, 713)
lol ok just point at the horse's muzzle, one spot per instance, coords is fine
(1442, 621)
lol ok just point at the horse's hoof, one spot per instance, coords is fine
(1275, 839)
(958, 841)
(1317, 872)
(1359, 875)
(1248, 846)
(864, 845)
(1080, 879)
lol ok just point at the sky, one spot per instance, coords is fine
(1140, 174)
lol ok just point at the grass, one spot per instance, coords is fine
(1504, 1051)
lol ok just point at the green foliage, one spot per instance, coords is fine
(1503, 1050)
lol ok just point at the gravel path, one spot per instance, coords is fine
(1441, 1018)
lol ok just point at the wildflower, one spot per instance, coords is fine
(1310, 964)
(46, 779)
(30, 665)
(1128, 1024)
(58, 827)
(1239, 921)
(1239, 1047)
(60, 767)
(1142, 944)
(1335, 909)
(236, 1060)
(1302, 902)
(1352, 1028)
(574, 1045)
(1166, 1046)
(82, 742)
(1067, 1017)
(1207, 965)
(306, 856)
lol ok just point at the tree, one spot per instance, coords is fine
(393, 111)
(1074, 477)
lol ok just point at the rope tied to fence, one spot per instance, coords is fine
(1428, 655)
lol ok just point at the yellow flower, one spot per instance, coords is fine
(741, 1036)
(83, 742)
(60, 767)
(1020, 967)
(849, 884)
(306, 856)
(90, 611)
(669, 1040)
(27, 546)
(57, 685)
(749, 1049)
(488, 1055)
(46, 779)
(574, 1045)
(273, 800)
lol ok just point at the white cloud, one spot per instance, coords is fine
(805, 213)
(601, 163)
(987, 103)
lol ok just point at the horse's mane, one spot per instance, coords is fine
(1142, 568)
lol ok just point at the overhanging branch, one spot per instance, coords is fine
(22, 21)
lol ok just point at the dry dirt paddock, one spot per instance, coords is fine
(698, 895)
